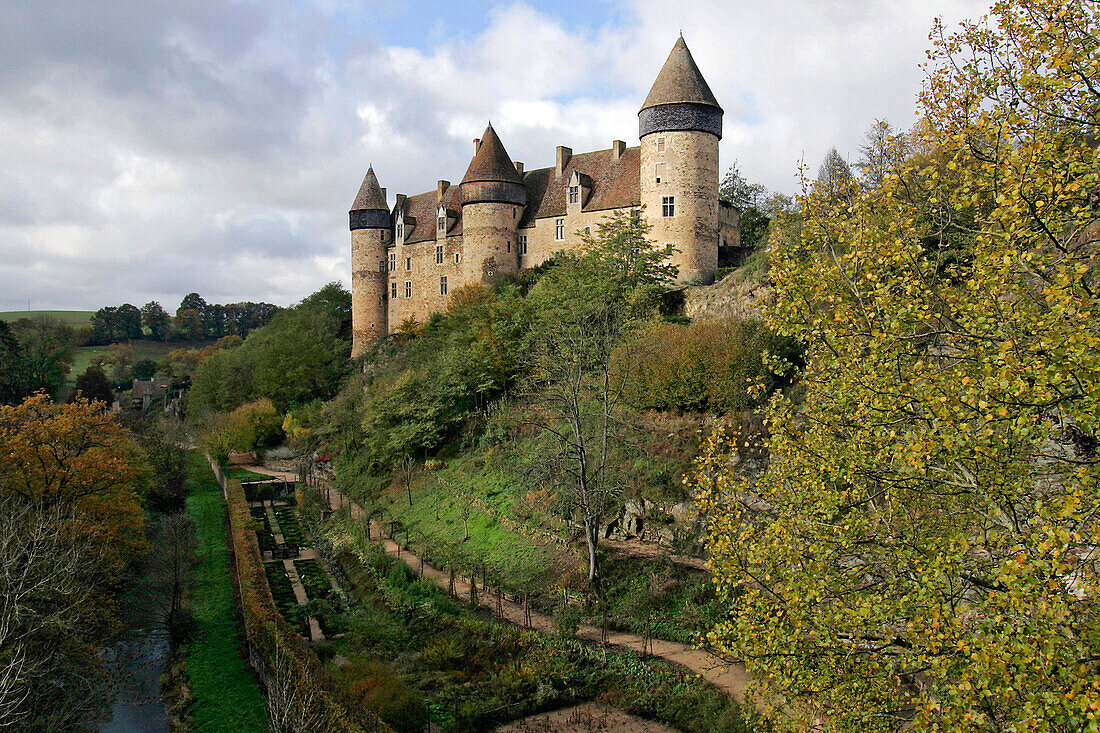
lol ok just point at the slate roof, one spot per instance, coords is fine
(370, 194)
(680, 81)
(491, 163)
(424, 207)
(615, 184)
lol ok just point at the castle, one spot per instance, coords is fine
(502, 219)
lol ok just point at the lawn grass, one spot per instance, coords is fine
(75, 319)
(83, 356)
(236, 473)
(227, 696)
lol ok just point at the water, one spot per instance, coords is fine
(140, 653)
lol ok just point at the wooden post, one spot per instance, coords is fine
(527, 610)
(451, 585)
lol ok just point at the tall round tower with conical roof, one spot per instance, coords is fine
(370, 228)
(493, 196)
(680, 125)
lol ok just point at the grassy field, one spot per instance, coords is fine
(227, 696)
(142, 350)
(70, 318)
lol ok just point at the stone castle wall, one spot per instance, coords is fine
(368, 287)
(690, 177)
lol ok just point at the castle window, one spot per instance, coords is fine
(513, 212)
(393, 261)
(393, 289)
(522, 244)
(574, 194)
(408, 289)
(400, 231)
(660, 145)
(443, 285)
(559, 229)
(458, 257)
(439, 254)
(508, 245)
(659, 171)
(587, 231)
(408, 263)
(381, 265)
(443, 223)
(668, 206)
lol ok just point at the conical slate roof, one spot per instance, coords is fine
(680, 81)
(370, 194)
(491, 163)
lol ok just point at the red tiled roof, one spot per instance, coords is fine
(424, 207)
(615, 184)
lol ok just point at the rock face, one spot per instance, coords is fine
(728, 298)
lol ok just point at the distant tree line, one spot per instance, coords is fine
(196, 320)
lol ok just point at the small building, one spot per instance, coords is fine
(147, 392)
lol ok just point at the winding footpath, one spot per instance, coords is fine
(729, 676)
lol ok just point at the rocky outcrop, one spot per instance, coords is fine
(728, 298)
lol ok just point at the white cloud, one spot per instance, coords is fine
(148, 150)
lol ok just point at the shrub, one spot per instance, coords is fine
(719, 367)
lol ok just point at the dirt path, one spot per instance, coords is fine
(728, 676)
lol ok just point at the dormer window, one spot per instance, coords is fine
(400, 234)
(574, 194)
(442, 223)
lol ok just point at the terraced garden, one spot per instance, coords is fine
(287, 517)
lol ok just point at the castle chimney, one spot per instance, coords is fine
(400, 202)
(519, 166)
(441, 187)
(383, 193)
(477, 145)
(618, 147)
(564, 154)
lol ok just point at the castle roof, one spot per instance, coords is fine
(491, 162)
(423, 208)
(680, 81)
(370, 195)
(615, 184)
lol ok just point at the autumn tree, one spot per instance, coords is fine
(588, 303)
(71, 519)
(920, 551)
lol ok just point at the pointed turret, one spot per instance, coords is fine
(680, 98)
(370, 194)
(491, 162)
(369, 210)
(492, 177)
(370, 235)
(680, 81)
(680, 125)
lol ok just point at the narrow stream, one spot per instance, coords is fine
(138, 656)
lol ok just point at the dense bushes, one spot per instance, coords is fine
(301, 355)
(719, 367)
(254, 425)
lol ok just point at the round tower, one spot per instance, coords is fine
(680, 125)
(370, 227)
(493, 196)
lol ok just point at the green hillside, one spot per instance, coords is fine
(70, 318)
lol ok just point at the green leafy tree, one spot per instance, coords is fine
(11, 358)
(587, 304)
(143, 369)
(920, 551)
(46, 352)
(94, 385)
(155, 318)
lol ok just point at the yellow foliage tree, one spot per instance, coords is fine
(921, 549)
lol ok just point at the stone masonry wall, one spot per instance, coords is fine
(368, 283)
(691, 177)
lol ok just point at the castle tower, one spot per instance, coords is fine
(370, 230)
(493, 196)
(680, 125)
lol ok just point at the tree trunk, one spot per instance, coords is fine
(592, 538)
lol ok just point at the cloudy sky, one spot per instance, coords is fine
(150, 148)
